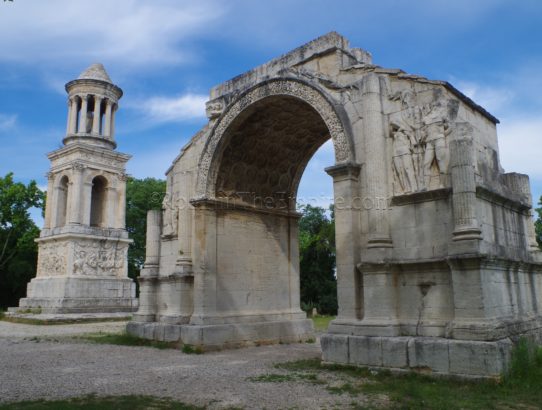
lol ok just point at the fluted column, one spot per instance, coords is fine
(466, 225)
(120, 222)
(184, 225)
(347, 237)
(70, 103)
(96, 116)
(76, 194)
(49, 204)
(83, 115)
(148, 279)
(72, 116)
(106, 130)
(376, 164)
(112, 126)
(152, 247)
(110, 207)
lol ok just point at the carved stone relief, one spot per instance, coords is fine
(170, 216)
(52, 259)
(99, 258)
(419, 131)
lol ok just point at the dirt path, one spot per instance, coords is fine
(32, 369)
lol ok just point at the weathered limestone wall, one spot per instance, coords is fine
(437, 263)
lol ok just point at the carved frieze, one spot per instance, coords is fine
(419, 132)
(99, 258)
(52, 259)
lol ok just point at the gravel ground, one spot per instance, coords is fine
(32, 369)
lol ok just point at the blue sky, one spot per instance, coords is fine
(166, 55)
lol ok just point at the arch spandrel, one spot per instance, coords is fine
(330, 114)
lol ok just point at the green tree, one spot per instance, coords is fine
(141, 196)
(538, 224)
(18, 251)
(317, 259)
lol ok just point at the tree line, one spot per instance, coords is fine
(19, 252)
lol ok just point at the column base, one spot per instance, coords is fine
(226, 336)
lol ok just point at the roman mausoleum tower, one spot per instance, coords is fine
(82, 259)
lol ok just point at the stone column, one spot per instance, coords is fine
(149, 273)
(204, 262)
(70, 109)
(106, 130)
(83, 115)
(72, 117)
(86, 201)
(466, 226)
(76, 193)
(347, 234)
(57, 193)
(110, 207)
(112, 126)
(96, 115)
(183, 264)
(49, 204)
(120, 221)
(376, 162)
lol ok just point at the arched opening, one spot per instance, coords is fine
(268, 147)
(263, 155)
(98, 201)
(62, 201)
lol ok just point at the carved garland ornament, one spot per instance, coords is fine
(343, 151)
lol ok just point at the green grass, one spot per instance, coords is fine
(282, 378)
(2, 314)
(321, 322)
(189, 349)
(125, 339)
(102, 403)
(520, 389)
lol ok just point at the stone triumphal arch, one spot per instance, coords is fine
(437, 262)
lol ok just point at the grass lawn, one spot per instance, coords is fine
(102, 403)
(321, 322)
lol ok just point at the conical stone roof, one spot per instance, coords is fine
(95, 72)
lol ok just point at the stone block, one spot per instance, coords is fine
(395, 352)
(474, 358)
(429, 354)
(365, 350)
(335, 348)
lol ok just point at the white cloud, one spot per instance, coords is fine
(492, 98)
(173, 109)
(127, 32)
(7, 122)
(520, 145)
(153, 163)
